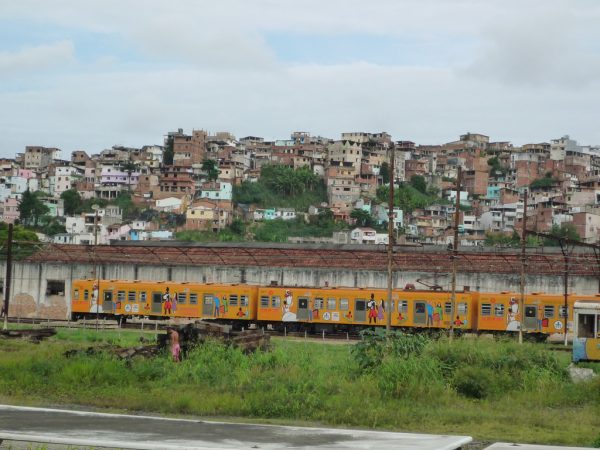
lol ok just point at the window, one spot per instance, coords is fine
(331, 303)
(275, 301)
(208, 299)
(76, 294)
(181, 297)
(563, 312)
(462, 308)
(403, 306)
(499, 310)
(86, 294)
(318, 303)
(193, 298)
(120, 296)
(486, 309)
(142, 296)
(420, 308)
(131, 296)
(264, 301)
(548, 311)
(55, 287)
(448, 308)
(243, 300)
(344, 304)
(233, 300)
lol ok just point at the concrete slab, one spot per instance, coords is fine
(510, 446)
(81, 428)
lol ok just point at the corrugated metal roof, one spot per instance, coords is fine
(314, 257)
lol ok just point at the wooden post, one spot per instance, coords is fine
(390, 249)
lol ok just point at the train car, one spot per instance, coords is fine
(348, 309)
(586, 337)
(108, 298)
(543, 314)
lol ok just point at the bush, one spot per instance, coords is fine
(473, 382)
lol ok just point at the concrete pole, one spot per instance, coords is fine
(523, 245)
(455, 253)
(390, 249)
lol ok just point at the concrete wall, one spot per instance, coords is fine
(29, 296)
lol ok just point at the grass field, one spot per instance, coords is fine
(493, 391)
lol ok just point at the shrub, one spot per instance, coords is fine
(473, 382)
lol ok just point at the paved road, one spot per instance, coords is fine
(143, 432)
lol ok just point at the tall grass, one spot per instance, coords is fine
(490, 390)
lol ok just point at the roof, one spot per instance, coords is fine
(314, 256)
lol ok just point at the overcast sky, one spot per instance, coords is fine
(92, 74)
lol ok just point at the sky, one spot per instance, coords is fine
(87, 75)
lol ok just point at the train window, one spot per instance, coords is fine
(462, 308)
(486, 309)
(448, 308)
(403, 306)
(548, 311)
(76, 294)
(275, 301)
(209, 299)
(499, 310)
(563, 312)
(264, 301)
(420, 308)
(131, 296)
(318, 303)
(86, 294)
(233, 300)
(120, 296)
(181, 297)
(243, 300)
(331, 303)
(142, 296)
(344, 304)
(193, 298)
(585, 326)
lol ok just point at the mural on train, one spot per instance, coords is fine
(305, 308)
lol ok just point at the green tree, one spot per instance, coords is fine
(31, 207)
(169, 152)
(363, 218)
(384, 172)
(418, 182)
(210, 167)
(564, 230)
(73, 202)
(129, 167)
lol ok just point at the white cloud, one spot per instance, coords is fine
(36, 58)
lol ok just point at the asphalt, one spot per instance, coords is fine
(100, 430)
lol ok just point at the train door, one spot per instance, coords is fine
(208, 305)
(531, 319)
(420, 317)
(107, 302)
(302, 313)
(360, 310)
(157, 302)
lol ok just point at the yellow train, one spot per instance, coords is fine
(316, 309)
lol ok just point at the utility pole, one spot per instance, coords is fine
(523, 244)
(566, 293)
(94, 273)
(8, 279)
(455, 253)
(390, 249)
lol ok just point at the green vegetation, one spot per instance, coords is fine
(408, 197)
(496, 168)
(491, 390)
(419, 183)
(32, 208)
(546, 182)
(565, 230)
(211, 168)
(511, 240)
(279, 230)
(282, 186)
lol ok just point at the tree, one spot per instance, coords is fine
(363, 218)
(384, 172)
(565, 230)
(73, 202)
(210, 167)
(31, 207)
(169, 152)
(129, 167)
(418, 182)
